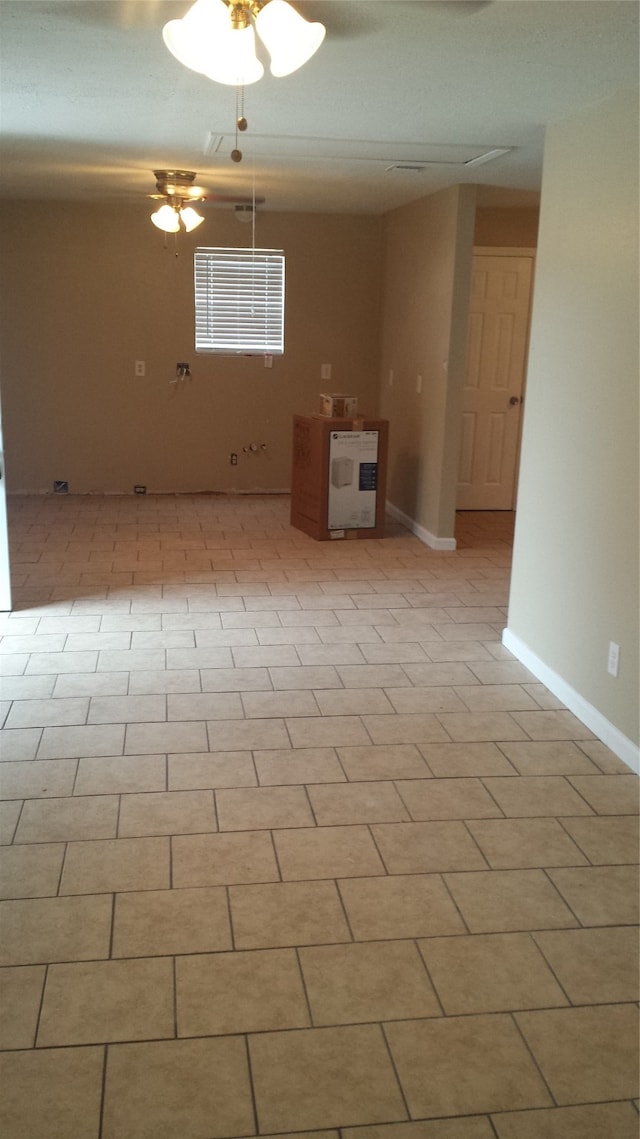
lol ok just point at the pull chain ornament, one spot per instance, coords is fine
(241, 123)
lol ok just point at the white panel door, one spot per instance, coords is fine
(493, 393)
(5, 579)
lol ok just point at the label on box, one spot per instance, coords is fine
(353, 479)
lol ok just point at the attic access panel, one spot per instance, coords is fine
(392, 155)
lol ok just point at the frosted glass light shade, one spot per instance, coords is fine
(289, 39)
(233, 60)
(194, 38)
(166, 219)
(191, 219)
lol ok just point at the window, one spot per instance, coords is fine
(239, 301)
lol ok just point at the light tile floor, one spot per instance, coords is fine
(293, 845)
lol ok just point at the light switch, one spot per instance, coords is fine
(325, 371)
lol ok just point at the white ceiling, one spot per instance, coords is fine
(92, 102)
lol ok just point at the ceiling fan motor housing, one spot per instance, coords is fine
(178, 184)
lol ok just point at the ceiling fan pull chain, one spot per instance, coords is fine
(241, 122)
(253, 209)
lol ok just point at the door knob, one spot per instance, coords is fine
(514, 399)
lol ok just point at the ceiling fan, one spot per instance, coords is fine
(344, 20)
(177, 191)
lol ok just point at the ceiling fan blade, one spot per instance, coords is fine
(342, 21)
(127, 13)
(234, 199)
(458, 8)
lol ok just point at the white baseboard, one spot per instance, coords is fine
(619, 744)
(130, 493)
(425, 536)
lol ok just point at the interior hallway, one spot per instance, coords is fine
(291, 844)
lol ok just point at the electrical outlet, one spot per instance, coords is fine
(141, 368)
(613, 659)
(233, 459)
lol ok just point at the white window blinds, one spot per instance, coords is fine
(239, 295)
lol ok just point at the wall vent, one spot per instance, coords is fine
(474, 160)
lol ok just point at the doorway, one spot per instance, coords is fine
(493, 399)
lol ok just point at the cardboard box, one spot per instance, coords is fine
(338, 406)
(338, 476)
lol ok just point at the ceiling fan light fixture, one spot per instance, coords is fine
(166, 218)
(216, 38)
(288, 37)
(190, 218)
(177, 189)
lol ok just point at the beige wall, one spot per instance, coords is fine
(89, 289)
(101, 291)
(575, 577)
(507, 227)
(427, 278)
